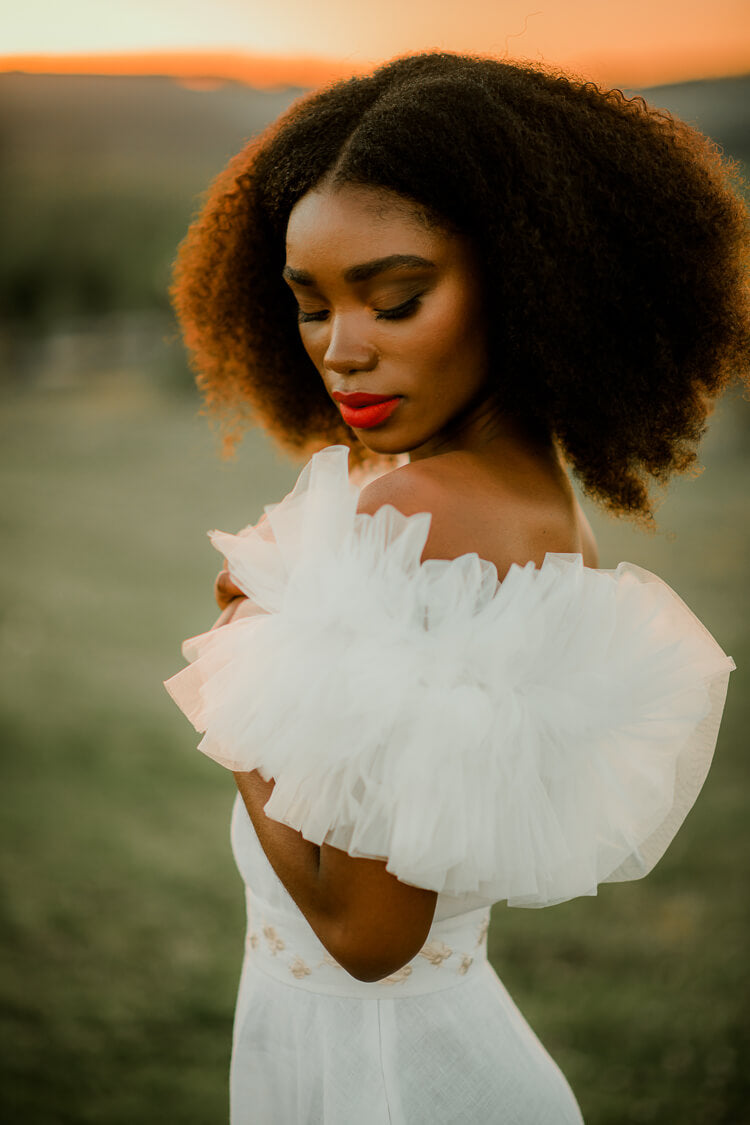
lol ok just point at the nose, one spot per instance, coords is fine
(348, 349)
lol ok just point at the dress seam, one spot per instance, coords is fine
(382, 1067)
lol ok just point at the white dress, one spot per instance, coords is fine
(521, 741)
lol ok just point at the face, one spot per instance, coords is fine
(389, 307)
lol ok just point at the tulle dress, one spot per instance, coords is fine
(522, 740)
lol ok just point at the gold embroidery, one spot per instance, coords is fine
(436, 952)
(399, 975)
(275, 943)
(328, 960)
(299, 969)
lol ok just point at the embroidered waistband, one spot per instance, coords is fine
(282, 945)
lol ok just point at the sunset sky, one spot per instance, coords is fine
(634, 41)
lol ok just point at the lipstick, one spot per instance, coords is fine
(362, 411)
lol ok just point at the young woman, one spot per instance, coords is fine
(431, 698)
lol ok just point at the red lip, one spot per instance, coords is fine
(360, 398)
(372, 414)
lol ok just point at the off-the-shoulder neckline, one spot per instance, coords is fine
(343, 451)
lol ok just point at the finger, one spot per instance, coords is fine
(225, 590)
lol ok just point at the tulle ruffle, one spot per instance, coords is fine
(524, 740)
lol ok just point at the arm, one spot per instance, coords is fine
(366, 918)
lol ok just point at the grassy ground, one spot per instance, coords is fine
(122, 912)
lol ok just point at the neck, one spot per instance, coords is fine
(494, 439)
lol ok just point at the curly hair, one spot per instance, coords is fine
(612, 240)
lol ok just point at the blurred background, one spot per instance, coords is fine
(122, 914)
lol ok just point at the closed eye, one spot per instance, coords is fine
(306, 317)
(399, 312)
(396, 312)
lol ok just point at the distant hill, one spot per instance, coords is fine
(99, 177)
(119, 131)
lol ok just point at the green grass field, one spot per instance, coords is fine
(122, 911)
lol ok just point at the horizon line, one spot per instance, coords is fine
(208, 69)
(203, 68)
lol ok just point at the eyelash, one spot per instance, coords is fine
(398, 312)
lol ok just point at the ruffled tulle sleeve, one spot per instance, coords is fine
(524, 740)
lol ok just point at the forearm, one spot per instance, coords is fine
(295, 860)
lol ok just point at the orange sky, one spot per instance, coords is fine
(632, 42)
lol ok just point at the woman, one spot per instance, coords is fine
(430, 697)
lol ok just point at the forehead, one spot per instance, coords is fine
(360, 221)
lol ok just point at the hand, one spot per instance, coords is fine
(225, 590)
(229, 598)
(232, 602)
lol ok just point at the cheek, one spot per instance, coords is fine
(454, 334)
(314, 344)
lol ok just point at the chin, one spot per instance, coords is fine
(388, 445)
(393, 441)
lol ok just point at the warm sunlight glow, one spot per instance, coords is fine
(198, 70)
(636, 42)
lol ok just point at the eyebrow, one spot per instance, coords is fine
(366, 270)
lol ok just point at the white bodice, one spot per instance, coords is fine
(522, 740)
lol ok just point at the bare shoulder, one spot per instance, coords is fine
(422, 486)
(411, 488)
(503, 521)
